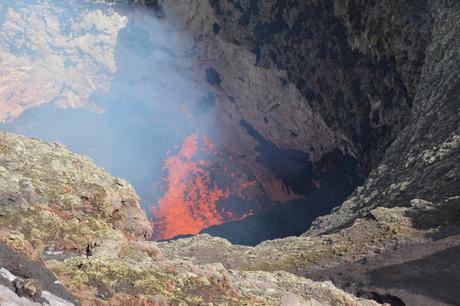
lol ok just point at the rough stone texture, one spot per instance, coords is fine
(135, 277)
(383, 256)
(29, 283)
(50, 195)
(262, 96)
(34, 74)
(396, 66)
(395, 62)
(300, 71)
(59, 208)
(423, 161)
(382, 77)
(388, 227)
(372, 79)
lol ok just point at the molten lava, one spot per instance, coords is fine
(190, 202)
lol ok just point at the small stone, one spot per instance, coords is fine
(28, 288)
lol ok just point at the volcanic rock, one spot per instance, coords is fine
(28, 283)
(51, 195)
(377, 82)
(68, 203)
(423, 162)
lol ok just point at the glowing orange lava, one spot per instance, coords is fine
(190, 202)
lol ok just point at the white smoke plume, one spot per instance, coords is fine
(112, 81)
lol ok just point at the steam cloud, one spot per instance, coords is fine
(110, 81)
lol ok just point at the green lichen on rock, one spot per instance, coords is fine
(61, 198)
(111, 274)
(144, 277)
(60, 233)
(183, 283)
(4, 149)
(383, 228)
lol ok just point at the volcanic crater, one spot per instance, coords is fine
(319, 138)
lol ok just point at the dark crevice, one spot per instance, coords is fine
(323, 185)
(381, 298)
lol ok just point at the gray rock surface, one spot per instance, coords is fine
(47, 182)
(25, 282)
(51, 222)
(383, 77)
(396, 63)
(336, 74)
(423, 161)
(377, 80)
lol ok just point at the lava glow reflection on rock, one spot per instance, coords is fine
(110, 80)
(190, 202)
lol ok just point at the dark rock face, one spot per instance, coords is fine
(356, 63)
(379, 73)
(384, 76)
(423, 161)
(336, 75)
(323, 183)
(31, 275)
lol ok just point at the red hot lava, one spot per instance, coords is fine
(190, 202)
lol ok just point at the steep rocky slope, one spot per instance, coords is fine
(423, 161)
(52, 197)
(337, 82)
(356, 64)
(397, 64)
(86, 227)
(373, 81)
(313, 75)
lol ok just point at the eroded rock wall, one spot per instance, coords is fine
(362, 77)
(390, 239)
(423, 161)
(352, 66)
(86, 227)
(55, 198)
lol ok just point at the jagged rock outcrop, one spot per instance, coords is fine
(50, 197)
(132, 276)
(377, 81)
(396, 67)
(383, 256)
(87, 228)
(423, 161)
(342, 73)
(24, 282)
(362, 78)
